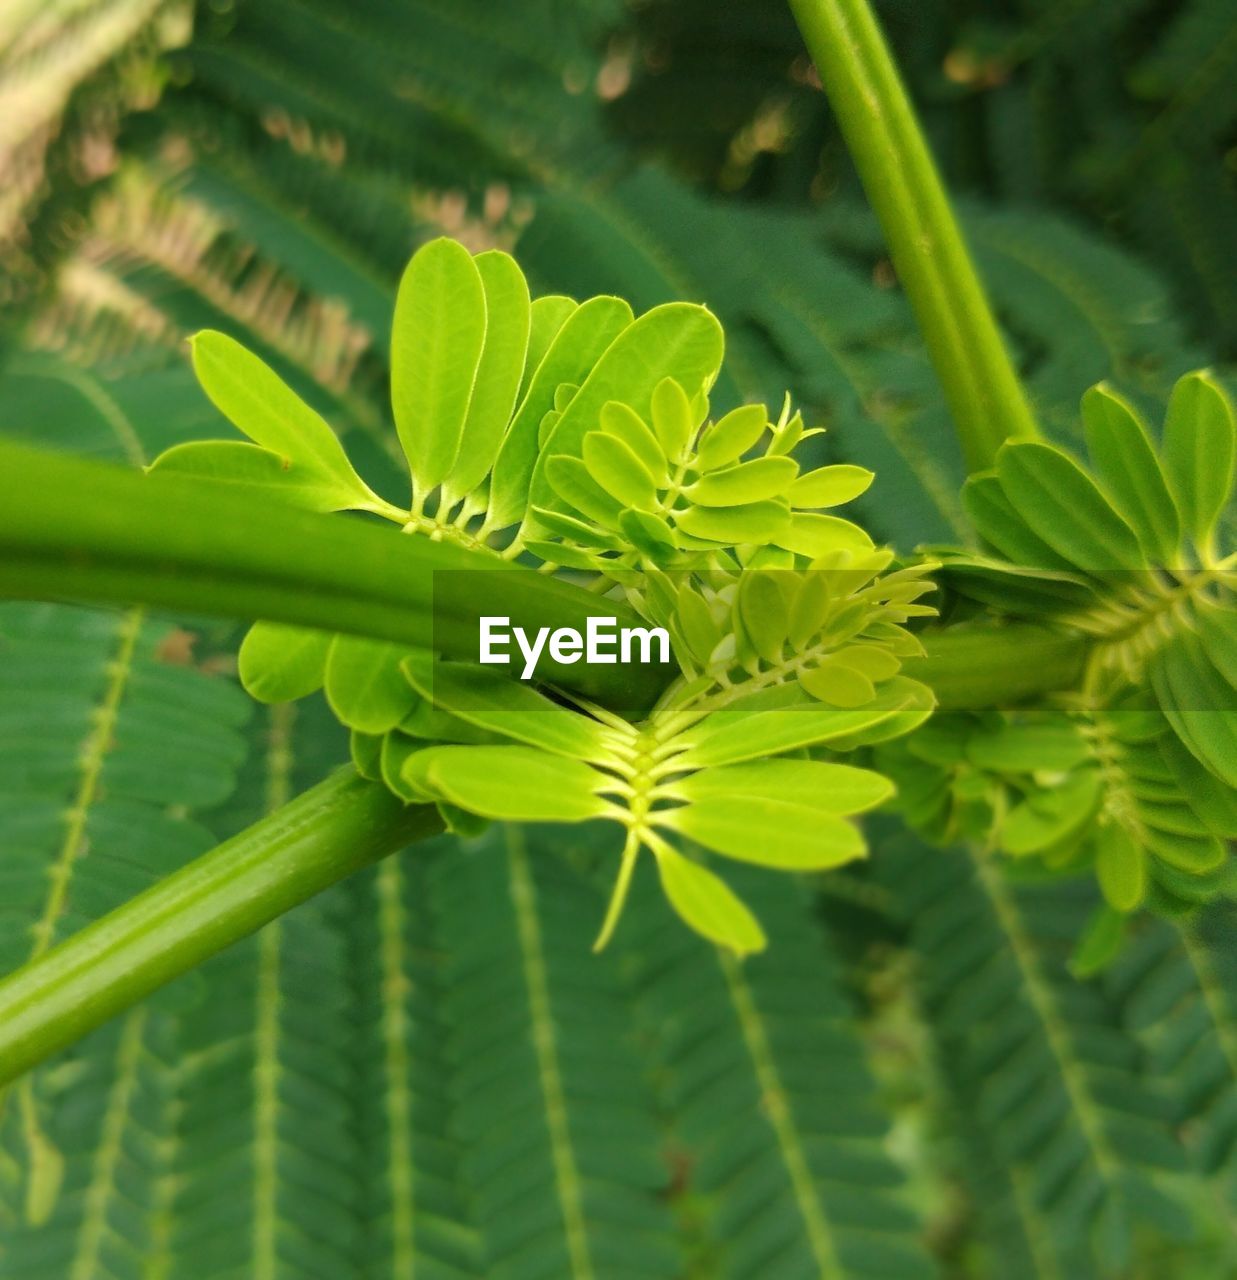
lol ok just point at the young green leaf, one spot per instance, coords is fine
(737, 734)
(647, 532)
(838, 684)
(564, 394)
(1198, 452)
(1062, 505)
(510, 784)
(573, 483)
(790, 834)
(673, 420)
(507, 311)
(614, 466)
(257, 401)
(546, 317)
(816, 535)
(764, 612)
(999, 524)
(824, 788)
(260, 475)
(707, 904)
(728, 439)
(1125, 462)
(621, 420)
(809, 607)
(1120, 867)
(437, 338)
(365, 684)
(1027, 748)
(677, 339)
(1099, 944)
(745, 482)
(584, 338)
(757, 522)
(1199, 704)
(830, 486)
(492, 700)
(1216, 625)
(278, 663)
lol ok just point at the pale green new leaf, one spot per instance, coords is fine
(616, 468)
(365, 683)
(507, 311)
(621, 420)
(830, 486)
(999, 524)
(764, 613)
(491, 700)
(677, 339)
(573, 482)
(792, 835)
(757, 522)
(707, 904)
(437, 337)
(582, 340)
(821, 787)
(838, 684)
(816, 535)
(1047, 817)
(257, 401)
(738, 734)
(728, 439)
(1025, 748)
(673, 421)
(546, 316)
(260, 475)
(278, 663)
(746, 482)
(510, 784)
(1199, 704)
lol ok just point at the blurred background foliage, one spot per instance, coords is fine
(423, 1073)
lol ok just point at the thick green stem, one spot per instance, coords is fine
(985, 395)
(338, 827)
(77, 530)
(991, 666)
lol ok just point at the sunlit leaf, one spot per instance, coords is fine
(499, 372)
(707, 904)
(731, 436)
(278, 663)
(511, 784)
(830, 486)
(437, 337)
(365, 684)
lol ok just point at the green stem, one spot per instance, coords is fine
(985, 396)
(331, 831)
(71, 529)
(995, 666)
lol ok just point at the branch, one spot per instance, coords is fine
(326, 834)
(985, 395)
(71, 529)
(982, 665)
